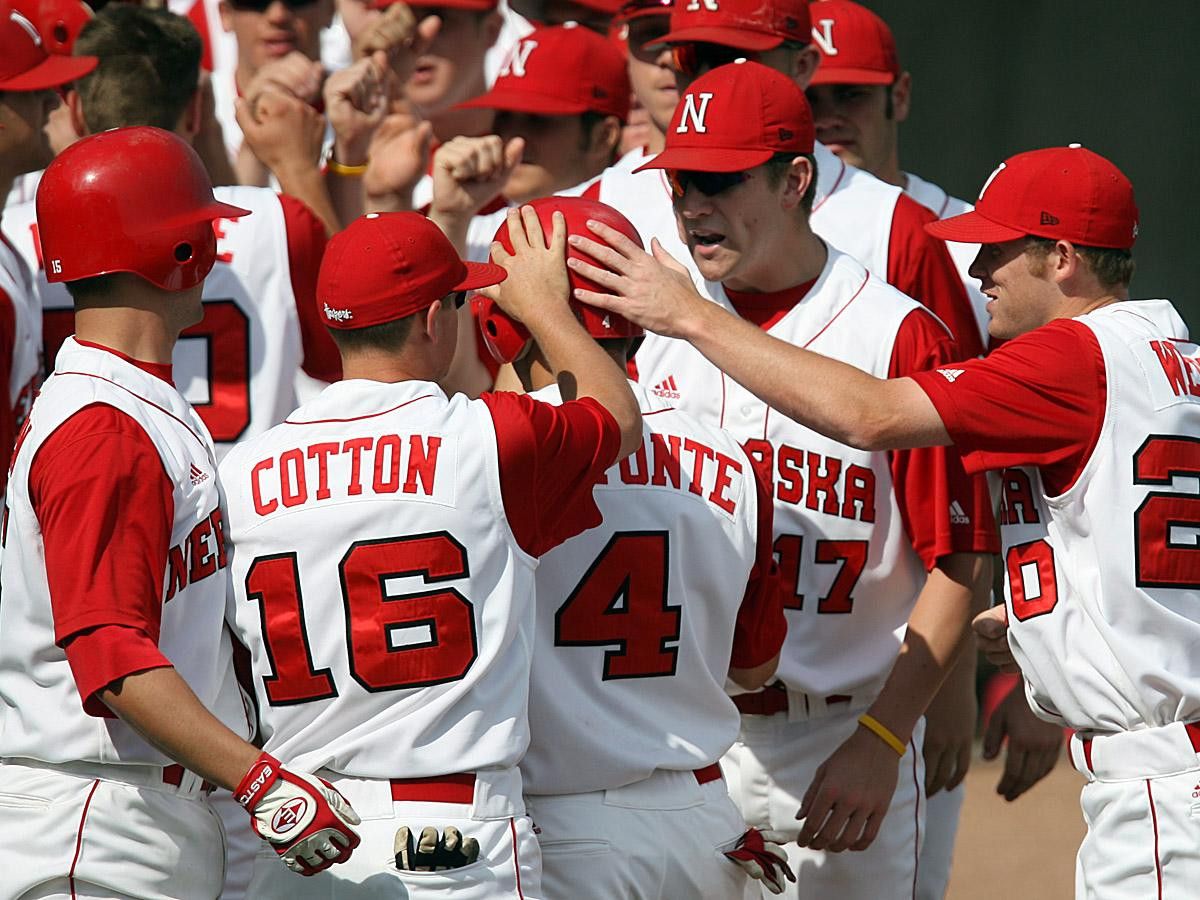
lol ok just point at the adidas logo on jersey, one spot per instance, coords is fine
(338, 315)
(958, 516)
(198, 475)
(950, 374)
(667, 389)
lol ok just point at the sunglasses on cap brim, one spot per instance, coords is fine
(696, 58)
(262, 5)
(710, 184)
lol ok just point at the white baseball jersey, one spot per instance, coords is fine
(239, 367)
(943, 205)
(842, 539)
(1103, 574)
(41, 711)
(379, 583)
(25, 361)
(854, 211)
(635, 619)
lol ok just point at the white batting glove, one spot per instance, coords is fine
(761, 855)
(304, 819)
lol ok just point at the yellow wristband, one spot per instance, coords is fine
(882, 732)
(348, 171)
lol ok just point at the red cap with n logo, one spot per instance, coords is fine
(736, 117)
(744, 24)
(856, 45)
(1061, 193)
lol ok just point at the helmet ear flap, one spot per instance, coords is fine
(505, 337)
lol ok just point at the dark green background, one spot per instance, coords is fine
(992, 79)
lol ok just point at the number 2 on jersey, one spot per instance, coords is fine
(394, 641)
(622, 602)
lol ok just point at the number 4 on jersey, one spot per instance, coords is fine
(622, 602)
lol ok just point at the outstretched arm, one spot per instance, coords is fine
(831, 397)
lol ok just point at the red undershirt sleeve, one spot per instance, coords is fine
(1037, 400)
(105, 506)
(8, 417)
(550, 459)
(306, 246)
(944, 509)
(920, 265)
(761, 626)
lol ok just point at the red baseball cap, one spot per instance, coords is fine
(1062, 193)
(856, 45)
(25, 63)
(637, 9)
(386, 266)
(561, 70)
(58, 21)
(736, 117)
(474, 5)
(744, 24)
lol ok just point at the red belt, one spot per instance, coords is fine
(708, 773)
(774, 699)
(439, 789)
(1192, 729)
(173, 775)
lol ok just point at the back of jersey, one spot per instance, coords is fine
(378, 586)
(635, 618)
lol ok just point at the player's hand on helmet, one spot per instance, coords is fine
(433, 852)
(991, 634)
(398, 159)
(653, 290)
(536, 289)
(294, 74)
(849, 795)
(1033, 744)
(761, 855)
(284, 133)
(399, 36)
(304, 819)
(469, 172)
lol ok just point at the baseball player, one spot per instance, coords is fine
(260, 336)
(628, 711)
(384, 540)
(872, 221)
(118, 705)
(882, 553)
(28, 78)
(1090, 415)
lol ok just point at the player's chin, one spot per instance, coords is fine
(714, 261)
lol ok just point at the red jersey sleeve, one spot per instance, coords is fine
(105, 506)
(920, 265)
(8, 415)
(100, 656)
(1037, 400)
(761, 626)
(306, 246)
(550, 459)
(944, 509)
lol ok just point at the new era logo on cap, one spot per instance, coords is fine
(1048, 219)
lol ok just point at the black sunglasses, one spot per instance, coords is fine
(710, 184)
(458, 298)
(262, 5)
(695, 58)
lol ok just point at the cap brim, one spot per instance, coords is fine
(833, 75)
(972, 228)
(737, 38)
(708, 159)
(50, 72)
(477, 5)
(480, 275)
(526, 102)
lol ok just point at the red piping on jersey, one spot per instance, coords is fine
(833, 190)
(655, 412)
(167, 412)
(512, 827)
(916, 820)
(1154, 821)
(359, 418)
(79, 837)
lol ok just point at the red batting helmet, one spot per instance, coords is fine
(506, 338)
(130, 200)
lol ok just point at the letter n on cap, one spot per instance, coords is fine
(694, 113)
(515, 63)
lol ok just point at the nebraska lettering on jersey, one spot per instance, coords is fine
(705, 472)
(198, 556)
(383, 464)
(824, 484)
(1018, 505)
(1182, 372)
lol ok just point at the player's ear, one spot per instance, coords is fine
(190, 119)
(804, 66)
(433, 327)
(75, 109)
(799, 179)
(902, 97)
(226, 13)
(604, 138)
